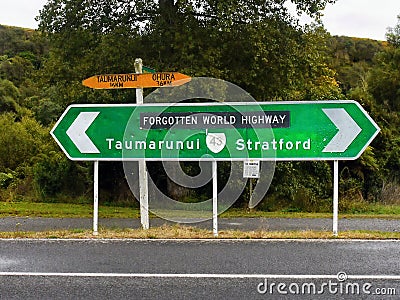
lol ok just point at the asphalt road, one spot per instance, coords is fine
(199, 269)
(10, 224)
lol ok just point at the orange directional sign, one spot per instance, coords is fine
(132, 80)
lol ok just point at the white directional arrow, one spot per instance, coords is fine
(77, 132)
(348, 130)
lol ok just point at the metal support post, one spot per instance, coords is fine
(215, 198)
(335, 196)
(143, 183)
(95, 197)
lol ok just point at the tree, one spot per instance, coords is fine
(384, 82)
(393, 34)
(9, 97)
(352, 58)
(16, 69)
(20, 141)
(257, 45)
(379, 94)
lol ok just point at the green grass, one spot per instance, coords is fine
(62, 210)
(371, 211)
(380, 209)
(188, 232)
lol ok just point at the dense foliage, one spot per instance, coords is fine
(257, 45)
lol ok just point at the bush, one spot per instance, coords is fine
(5, 180)
(300, 186)
(55, 175)
(390, 193)
(20, 141)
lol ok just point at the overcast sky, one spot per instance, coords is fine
(357, 18)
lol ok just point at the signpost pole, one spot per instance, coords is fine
(95, 197)
(143, 183)
(215, 198)
(251, 189)
(335, 196)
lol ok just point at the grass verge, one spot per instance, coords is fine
(187, 232)
(63, 210)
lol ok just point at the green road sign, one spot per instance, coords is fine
(317, 130)
(148, 70)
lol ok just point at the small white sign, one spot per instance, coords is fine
(251, 169)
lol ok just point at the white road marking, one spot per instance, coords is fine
(201, 276)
